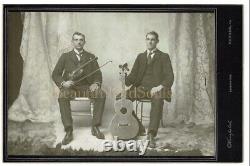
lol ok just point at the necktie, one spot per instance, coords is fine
(80, 56)
(149, 57)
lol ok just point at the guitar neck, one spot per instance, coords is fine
(123, 93)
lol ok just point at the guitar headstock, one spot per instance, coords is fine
(123, 70)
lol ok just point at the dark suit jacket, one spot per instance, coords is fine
(69, 62)
(162, 70)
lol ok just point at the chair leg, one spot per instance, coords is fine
(136, 107)
(91, 108)
(162, 124)
(141, 111)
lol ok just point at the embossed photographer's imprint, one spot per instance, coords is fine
(229, 134)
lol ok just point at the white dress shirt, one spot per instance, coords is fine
(78, 54)
(153, 51)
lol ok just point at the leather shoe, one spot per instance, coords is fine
(67, 138)
(96, 132)
(142, 131)
(151, 139)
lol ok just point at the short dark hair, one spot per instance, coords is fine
(79, 34)
(153, 33)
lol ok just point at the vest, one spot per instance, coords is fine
(148, 77)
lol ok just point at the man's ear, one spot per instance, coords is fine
(84, 43)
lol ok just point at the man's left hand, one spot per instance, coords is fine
(93, 87)
(155, 89)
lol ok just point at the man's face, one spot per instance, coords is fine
(78, 42)
(151, 41)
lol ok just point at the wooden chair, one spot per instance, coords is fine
(83, 112)
(141, 102)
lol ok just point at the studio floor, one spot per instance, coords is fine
(173, 137)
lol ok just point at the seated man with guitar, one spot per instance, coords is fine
(151, 78)
(78, 74)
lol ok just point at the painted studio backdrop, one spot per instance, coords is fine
(188, 38)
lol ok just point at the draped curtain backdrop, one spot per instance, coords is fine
(189, 39)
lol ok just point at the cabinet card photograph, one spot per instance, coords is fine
(126, 84)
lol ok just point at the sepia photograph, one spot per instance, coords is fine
(91, 83)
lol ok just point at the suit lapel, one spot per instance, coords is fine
(73, 57)
(156, 56)
(144, 60)
(84, 58)
(142, 67)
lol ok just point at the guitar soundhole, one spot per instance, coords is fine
(124, 110)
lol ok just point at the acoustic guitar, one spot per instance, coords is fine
(124, 125)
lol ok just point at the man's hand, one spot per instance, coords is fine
(155, 89)
(67, 84)
(93, 87)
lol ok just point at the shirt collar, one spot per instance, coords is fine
(153, 51)
(77, 52)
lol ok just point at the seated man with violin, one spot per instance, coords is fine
(77, 74)
(151, 78)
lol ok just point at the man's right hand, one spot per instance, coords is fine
(67, 84)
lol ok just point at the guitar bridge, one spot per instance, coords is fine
(120, 124)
